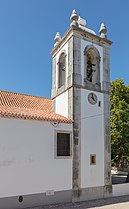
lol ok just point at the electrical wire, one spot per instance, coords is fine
(92, 116)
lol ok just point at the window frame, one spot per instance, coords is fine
(55, 144)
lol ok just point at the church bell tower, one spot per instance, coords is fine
(81, 91)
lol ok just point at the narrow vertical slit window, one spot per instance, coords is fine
(99, 103)
(62, 69)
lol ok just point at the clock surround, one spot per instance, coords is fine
(92, 98)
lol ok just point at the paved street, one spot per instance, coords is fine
(111, 203)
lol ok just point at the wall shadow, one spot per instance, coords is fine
(89, 204)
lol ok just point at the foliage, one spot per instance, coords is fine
(120, 123)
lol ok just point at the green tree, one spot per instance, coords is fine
(119, 123)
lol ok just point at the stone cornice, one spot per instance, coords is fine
(79, 32)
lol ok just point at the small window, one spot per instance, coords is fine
(99, 103)
(63, 145)
(62, 69)
(93, 159)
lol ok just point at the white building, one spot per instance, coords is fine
(58, 150)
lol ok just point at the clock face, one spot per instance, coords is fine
(92, 98)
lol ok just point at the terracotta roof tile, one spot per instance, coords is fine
(15, 105)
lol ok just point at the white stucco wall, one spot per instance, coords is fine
(27, 163)
(84, 44)
(120, 189)
(92, 141)
(61, 105)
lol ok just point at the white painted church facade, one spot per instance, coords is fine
(58, 150)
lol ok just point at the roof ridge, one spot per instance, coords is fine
(25, 94)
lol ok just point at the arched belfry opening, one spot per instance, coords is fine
(92, 65)
(62, 69)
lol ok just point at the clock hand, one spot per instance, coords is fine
(93, 97)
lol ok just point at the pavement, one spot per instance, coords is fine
(121, 202)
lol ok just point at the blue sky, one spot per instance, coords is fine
(27, 30)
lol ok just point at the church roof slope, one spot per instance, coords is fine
(15, 105)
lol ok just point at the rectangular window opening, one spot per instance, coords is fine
(93, 159)
(63, 145)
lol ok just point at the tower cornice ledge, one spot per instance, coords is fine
(73, 30)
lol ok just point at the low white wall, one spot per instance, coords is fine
(120, 189)
(27, 163)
